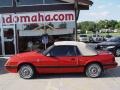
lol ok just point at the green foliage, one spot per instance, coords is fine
(112, 24)
(118, 26)
(87, 26)
(96, 26)
(103, 24)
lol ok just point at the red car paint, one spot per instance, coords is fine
(46, 64)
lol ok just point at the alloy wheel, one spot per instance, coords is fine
(93, 70)
(26, 72)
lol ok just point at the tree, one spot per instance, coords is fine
(87, 26)
(107, 24)
(112, 24)
(117, 26)
(103, 24)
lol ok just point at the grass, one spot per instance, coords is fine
(113, 34)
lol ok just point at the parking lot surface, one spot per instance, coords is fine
(109, 81)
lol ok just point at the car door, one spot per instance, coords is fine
(66, 57)
(46, 62)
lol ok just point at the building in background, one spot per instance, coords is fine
(23, 22)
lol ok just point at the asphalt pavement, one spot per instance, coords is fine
(2, 68)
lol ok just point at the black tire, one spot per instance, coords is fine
(93, 70)
(26, 71)
(117, 53)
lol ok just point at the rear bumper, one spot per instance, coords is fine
(108, 66)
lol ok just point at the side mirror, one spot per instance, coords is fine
(48, 55)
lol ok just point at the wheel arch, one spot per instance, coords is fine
(96, 62)
(25, 63)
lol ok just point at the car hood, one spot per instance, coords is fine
(28, 54)
(108, 43)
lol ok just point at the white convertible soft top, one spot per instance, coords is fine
(83, 48)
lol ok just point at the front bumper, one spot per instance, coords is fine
(11, 69)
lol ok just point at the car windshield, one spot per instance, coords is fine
(114, 39)
(47, 50)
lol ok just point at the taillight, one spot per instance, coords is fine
(113, 59)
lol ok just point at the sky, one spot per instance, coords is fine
(101, 10)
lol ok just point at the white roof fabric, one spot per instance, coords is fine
(84, 48)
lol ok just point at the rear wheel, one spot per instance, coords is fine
(93, 70)
(26, 71)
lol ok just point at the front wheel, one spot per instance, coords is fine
(26, 72)
(93, 70)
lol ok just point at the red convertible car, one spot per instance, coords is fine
(62, 57)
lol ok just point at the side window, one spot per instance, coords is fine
(63, 51)
(77, 51)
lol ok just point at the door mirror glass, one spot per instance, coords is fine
(48, 55)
